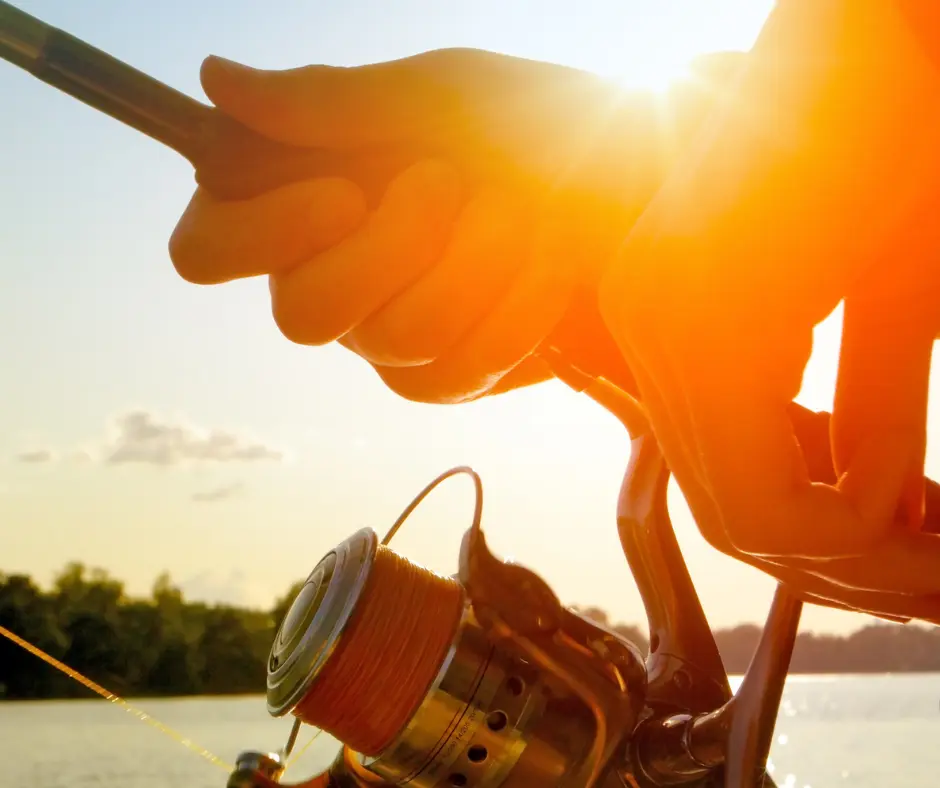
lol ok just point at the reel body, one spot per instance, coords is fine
(490, 713)
(485, 680)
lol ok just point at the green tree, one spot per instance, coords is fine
(89, 604)
(234, 649)
(165, 644)
(29, 613)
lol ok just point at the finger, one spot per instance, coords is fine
(486, 251)
(814, 579)
(881, 395)
(530, 371)
(898, 609)
(217, 241)
(438, 97)
(803, 580)
(324, 298)
(638, 305)
(904, 563)
(757, 476)
(565, 252)
(825, 590)
(336, 107)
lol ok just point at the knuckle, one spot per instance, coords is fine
(399, 343)
(189, 259)
(198, 260)
(303, 324)
(433, 383)
(414, 388)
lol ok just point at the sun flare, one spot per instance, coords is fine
(657, 77)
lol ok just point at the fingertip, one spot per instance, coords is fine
(219, 75)
(296, 105)
(264, 100)
(216, 64)
(217, 241)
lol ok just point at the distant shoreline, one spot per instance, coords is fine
(168, 647)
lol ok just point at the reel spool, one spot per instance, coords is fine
(431, 699)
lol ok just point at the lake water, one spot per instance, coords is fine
(864, 732)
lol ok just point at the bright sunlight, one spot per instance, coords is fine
(657, 76)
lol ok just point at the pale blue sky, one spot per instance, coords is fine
(94, 323)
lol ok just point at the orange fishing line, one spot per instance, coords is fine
(389, 653)
(110, 696)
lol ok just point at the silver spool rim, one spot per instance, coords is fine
(295, 662)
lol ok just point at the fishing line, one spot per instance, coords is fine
(296, 756)
(392, 647)
(403, 604)
(112, 698)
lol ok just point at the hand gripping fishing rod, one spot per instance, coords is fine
(519, 691)
(233, 162)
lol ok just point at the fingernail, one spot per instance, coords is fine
(224, 66)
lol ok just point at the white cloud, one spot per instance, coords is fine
(219, 493)
(36, 456)
(142, 437)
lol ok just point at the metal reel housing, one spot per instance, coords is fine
(489, 717)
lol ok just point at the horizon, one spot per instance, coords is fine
(589, 611)
(149, 425)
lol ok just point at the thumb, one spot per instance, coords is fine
(331, 106)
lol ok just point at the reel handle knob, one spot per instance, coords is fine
(254, 769)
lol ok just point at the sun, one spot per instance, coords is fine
(656, 75)
(662, 53)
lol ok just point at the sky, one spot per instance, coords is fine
(147, 424)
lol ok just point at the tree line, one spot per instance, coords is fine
(165, 645)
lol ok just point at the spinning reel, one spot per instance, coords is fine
(519, 690)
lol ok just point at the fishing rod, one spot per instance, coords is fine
(230, 160)
(483, 679)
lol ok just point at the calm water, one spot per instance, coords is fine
(865, 732)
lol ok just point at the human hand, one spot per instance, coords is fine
(526, 177)
(816, 182)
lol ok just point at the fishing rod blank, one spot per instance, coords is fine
(231, 160)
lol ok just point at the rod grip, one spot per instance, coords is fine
(235, 163)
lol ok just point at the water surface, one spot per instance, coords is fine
(864, 732)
